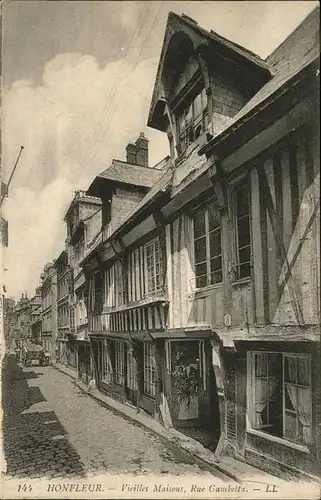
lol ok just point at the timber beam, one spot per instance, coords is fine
(216, 176)
(276, 225)
(160, 224)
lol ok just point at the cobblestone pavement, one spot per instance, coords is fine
(52, 429)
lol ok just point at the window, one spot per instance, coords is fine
(131, 371)
(297, 390)
(119, 362)
(106, 365)
(243, 235)
(72, 318)
(280, 397)
(120, 285)
(154, 267)
(149, 369)
(98, 291)
(192, 121)
(207, 247)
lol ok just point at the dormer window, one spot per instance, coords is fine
(192, 121)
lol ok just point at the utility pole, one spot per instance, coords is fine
(5, 194)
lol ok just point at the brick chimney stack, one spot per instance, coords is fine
(142, 150)
(131, 153)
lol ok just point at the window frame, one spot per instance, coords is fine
(149, 368)
(202, 119)
(156, 289)
(106, 375)
(120, 362)
(131, 376)
(98, 304)
(205, 207)
(245, 180)
(251, 398)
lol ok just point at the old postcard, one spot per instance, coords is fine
(160, 250)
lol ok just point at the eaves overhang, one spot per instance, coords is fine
(264, 113)
(160, 198)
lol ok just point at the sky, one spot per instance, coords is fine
(77, 80)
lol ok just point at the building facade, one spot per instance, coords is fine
(8, 322)
(203, 298)
(49, 326)
(63, 285)
(83, 219)
(124, 285)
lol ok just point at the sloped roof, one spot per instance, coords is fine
(160, 186)
(127, 173)
(205, 36)
(297, 51)
(212, 35)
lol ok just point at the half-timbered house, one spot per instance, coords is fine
(127, 298)
(204, 295)
(242, 242)
(264, 168)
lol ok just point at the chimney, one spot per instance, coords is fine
(142, 150)
(131, 153)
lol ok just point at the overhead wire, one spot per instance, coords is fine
(132, 60)
(95, 134)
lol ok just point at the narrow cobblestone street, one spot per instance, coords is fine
(52, 429)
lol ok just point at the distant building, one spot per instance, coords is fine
(83, 220)
(63, 289)
(22, 319)
(49, 327)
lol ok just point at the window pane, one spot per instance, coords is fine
(216, 270)
(213, 218)
(290, 369)
(290, 397)
(261, 365)
(215, 243)
(244, 271)
(243, 229)
(201, 275)
(242, 200)
(199, 224)
(304, 371)
(290, 426)
(200, 250)
(244, 255)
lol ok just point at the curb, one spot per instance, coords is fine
(172, 436)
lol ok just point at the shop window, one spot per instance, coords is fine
(154, 267)
(243, 233)
(207, 247)
(149, 370)
(192, 121)
(119, 362)
(280, 399)
(131, 371)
